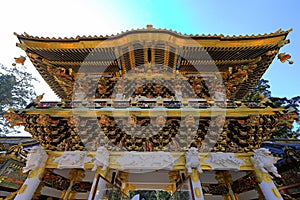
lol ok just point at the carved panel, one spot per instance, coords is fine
(220, 161)
(71, 159)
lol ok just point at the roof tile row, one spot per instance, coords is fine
(215, 36)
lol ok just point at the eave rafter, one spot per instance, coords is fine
(198, 53)
(244, 129)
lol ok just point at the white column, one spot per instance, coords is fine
(30, 185)
(267, 186)
(100, 189)
(36, 163)
(97, 177)
(263, 162)
(101, 164)
(99, 185)
(195, 186)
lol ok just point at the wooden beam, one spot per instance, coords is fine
(205, 113)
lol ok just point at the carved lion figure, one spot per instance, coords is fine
(101, 158)
(36, 158)
(264, 161)
(192, 160)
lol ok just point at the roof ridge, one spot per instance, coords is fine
(138, 30)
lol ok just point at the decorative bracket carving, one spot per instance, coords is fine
(36, 159)
(264, 161)
(192, 160)
(101, 158)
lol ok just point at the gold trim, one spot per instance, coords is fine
(267, 177)
(36, 173)
(276, 193)
(72, 195)
(23, 189)
(62, 194)
(171, 187)
(197, 192)
(238, 112)
(195, 175)
(128, 186)
(262, 176)
(178, 165)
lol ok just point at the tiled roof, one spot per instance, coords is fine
(156, 30)
(194, 54)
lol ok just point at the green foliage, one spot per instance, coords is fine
(292, 105)
(261, 92)
(181, 195)
(151, 194)
(115, 194)
(16, 92)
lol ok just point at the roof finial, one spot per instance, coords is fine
(149, 26)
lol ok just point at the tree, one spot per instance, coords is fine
(151, 194)
(16, 92)
(262, 93)
(291, 104)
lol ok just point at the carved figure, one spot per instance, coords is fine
(264, 161)
(101, 158)
(35, 159)
(192, 160)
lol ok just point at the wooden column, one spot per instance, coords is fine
(195, 186)
(228, 181)
(75, 176)
(224, 178)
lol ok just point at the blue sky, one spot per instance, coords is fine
(71, 18)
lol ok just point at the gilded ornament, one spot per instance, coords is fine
(36, 172)
(276, 193)
(23, 189)
(76, 175)
(267, 177)
(197, 192)
(194, 175)
(259, 176)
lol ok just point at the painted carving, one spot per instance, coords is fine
(71, 159)
(264, 161)
(149, 160)
(13, 118)
(192, 160)
(35, 159)
(224, 161)
(101, 158)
